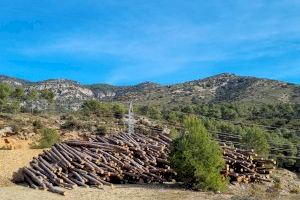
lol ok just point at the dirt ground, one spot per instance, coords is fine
(12, 160)
(124, 192)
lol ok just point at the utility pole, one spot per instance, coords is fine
(130, 119)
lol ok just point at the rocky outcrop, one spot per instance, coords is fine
(67, 94)
(12, 81)
(6, 131)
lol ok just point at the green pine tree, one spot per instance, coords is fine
(197, 157)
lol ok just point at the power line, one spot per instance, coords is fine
(233, 122)
(266, 128)
(243, 123)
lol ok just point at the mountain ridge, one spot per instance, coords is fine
(225, 87)
(3, 77)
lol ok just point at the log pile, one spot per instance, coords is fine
(244, 166)
(126, 158)
(101, 161)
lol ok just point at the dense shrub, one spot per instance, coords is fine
(100, 109)
(149, 111)
(5, 90)
(72, 123)
(197, 158)
(256, 139)
(11, 106)
(174, 117)
(118, 110)
(48, 138)
(101, 130)
(18, 93)
(37, 124)
(48, 95)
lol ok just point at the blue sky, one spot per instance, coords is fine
(166, 41)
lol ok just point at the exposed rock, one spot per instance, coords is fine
(13, 81)
(6, 131)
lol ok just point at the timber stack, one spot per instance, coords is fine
(125, 158)
(244, 165)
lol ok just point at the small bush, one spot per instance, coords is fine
(48, 138)
(11, 107)
(101, 130)
(72, 124)
(118, 110)
(197, 158)
(37, 124)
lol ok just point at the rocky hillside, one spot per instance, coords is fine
(13, 81)
(219, 88)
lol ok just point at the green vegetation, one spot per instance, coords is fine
(15, 99)
(48, 138)
(149, 111)
(101, 130)
(271, 129)
(101, 109)
(71, 123)
(18, 94)
(48, 95)
(5, 91)
(197, 158)
(256, 139)
(37, 124)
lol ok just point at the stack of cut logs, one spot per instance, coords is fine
(125, 158)
(122, 158)
(244, 166)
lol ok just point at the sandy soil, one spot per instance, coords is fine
(12, 160)
(124, 192)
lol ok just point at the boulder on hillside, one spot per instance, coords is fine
(6, 131)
